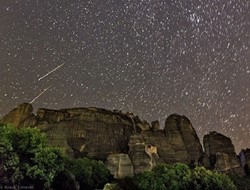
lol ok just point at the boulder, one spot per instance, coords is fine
(111, 186)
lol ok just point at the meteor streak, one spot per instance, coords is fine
(40, 94)
(50, 72)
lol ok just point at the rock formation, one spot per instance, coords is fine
(155, 125)
(245, 160)
(180, 130)
(120, 165)
(91, 132)
(17, 115)
(143, 155)
(220, 154)
(127, 144)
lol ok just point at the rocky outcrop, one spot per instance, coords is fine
(180, 130)
(245, 157)
(144, 125)
(52, 115)
(128, 144)
(222, 162)
(120, 165)
(245, 160)
(98, 133)
(18, 114)
(142, 155)
(220, 154)
(155, 125)
(170, 147)
(178, 142)
(91, 132)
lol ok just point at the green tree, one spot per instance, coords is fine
(165, 177)
(9, 163)
(181, 177)
(149, 180)
(210, 180)
(26, 158)
(91, 174)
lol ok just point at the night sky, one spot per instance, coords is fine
(149, 57)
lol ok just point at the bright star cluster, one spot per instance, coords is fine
(149, 57)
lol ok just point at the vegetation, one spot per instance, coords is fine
(91, 174)
(181, 177)
(242, 183)
(26, 159)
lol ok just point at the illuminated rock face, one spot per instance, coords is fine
(127, 144)
(220, 154)
(178, 142)
(120, 165)
(181, 132)
(143, 156)
(18, 114)
(91, 132)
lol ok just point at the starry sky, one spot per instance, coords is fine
(149, 57)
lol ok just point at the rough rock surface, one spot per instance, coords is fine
(179, 128)
(155, 125)
(245, 160)
(220, 153)
(178, 142)
(120, 165)
(91, 132)
(170, 147)
(18, 114)
(142, 155)
(144, 125)
(222, 162)
(97, 133)
(128, 144)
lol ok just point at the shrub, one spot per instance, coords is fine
(181, 177)
(91, 174)
(25, 158)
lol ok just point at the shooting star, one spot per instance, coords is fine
(40, 94)
(50, 72)
(137, 33)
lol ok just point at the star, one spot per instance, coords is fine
(152, 58)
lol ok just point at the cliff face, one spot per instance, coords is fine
(18, 114)
(220, 154)
(180, 128)
(91, 132)
(128, 144)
